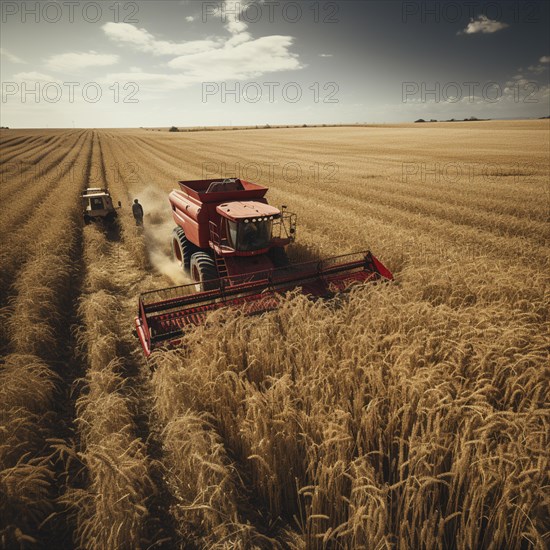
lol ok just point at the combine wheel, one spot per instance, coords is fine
(203, 271)
(182, 249)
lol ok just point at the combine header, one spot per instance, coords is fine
(232, 243)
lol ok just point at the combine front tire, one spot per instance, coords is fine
(182, 249)
(203, 271)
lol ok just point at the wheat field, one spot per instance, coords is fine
(407, 415)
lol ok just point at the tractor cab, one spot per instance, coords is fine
(248, 225)
(97, 204)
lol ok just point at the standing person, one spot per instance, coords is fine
(137, 211)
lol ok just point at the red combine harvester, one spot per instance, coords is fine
(232, 242)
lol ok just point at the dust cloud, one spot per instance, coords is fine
(158, 225)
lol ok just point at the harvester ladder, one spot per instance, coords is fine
(216, 240)
(221, 266)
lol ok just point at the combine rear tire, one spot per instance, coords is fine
(182, 249)
(203, 271)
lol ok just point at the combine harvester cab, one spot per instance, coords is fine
(232, 243)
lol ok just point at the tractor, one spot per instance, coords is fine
(232, 244)
(97, 205)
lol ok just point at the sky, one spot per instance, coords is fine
(256, 62)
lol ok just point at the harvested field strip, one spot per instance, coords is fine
(116, 180)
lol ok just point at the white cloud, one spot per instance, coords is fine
(80, 60)
(244, 61)
(545, 59)
(483, 25)
(325, 55)
(190, 18)
(238, 57)
(10, 56)
(237, 62)
(144, 41)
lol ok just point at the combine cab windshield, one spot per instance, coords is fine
(248, 235)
